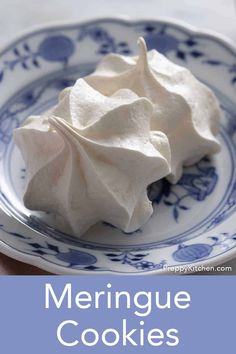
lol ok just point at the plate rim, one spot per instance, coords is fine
(55, 269)
(224, 41)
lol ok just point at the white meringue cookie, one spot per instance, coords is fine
(92, 157)
(184, 109)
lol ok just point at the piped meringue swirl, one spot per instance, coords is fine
(91, 158)
(184, 109)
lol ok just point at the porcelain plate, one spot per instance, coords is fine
(193, 222)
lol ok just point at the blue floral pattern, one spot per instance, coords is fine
(107, 43)
(54, 48)
(197, 184)
(135, 260)
(158, 37)
(9, 119)
(192, 253)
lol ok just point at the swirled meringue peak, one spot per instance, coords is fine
(184, 109)
(91, 158)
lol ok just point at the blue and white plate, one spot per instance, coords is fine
(194, 222)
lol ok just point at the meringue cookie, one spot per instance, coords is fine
(92, 157)
(184, 109)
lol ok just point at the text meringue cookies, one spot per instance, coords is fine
(132, 122)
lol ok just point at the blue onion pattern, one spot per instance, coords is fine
(59, 48)
(162, 42)
(192, 253)
(56, 48)
(106, 42)
(135, 259)
(197, 183)
(138, 260)
(75, 257)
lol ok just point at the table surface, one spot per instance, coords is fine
(16, 16)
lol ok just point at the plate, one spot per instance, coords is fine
(193, 224)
